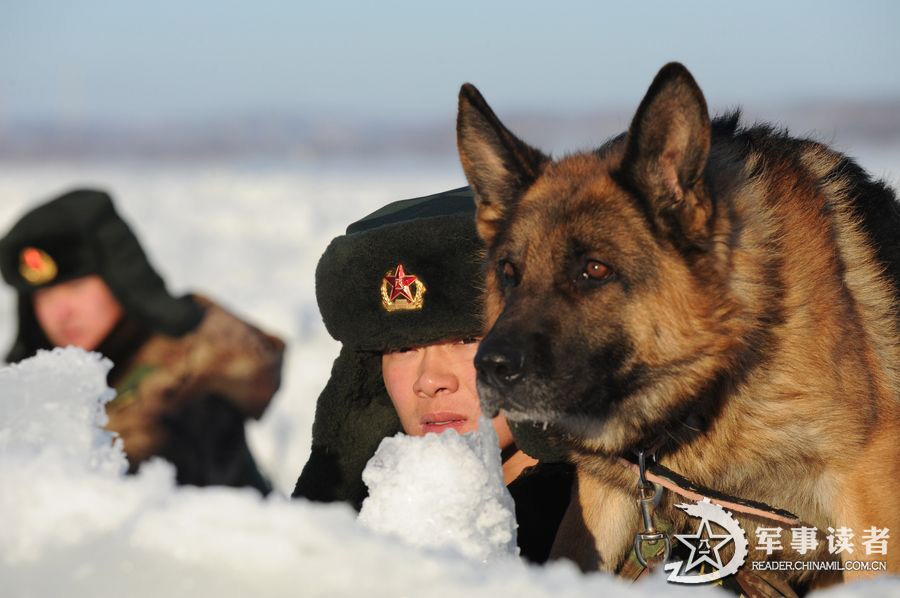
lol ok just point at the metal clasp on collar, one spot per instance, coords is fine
(647, 496)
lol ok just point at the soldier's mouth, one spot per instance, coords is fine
(443, 420)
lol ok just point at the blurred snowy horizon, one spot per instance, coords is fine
(318, 138)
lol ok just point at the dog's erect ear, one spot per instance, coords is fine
(499, 166)
(667, 148)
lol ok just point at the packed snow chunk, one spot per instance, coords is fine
(442, 491)
(51, 443)
(52, 408)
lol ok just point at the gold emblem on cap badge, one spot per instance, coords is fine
(396, 293)
(36, 266)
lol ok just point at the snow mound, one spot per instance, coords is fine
(52, 408)
(442, 491)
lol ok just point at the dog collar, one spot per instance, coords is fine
(657, 473)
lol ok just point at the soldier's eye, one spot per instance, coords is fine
(595, 270)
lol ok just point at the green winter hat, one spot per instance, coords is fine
(407, 275)
(74, 235)
(430, 244)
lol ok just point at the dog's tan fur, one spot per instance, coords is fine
(752, 321)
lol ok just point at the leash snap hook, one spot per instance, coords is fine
(647, 494)
(642, 468)
(653, 539)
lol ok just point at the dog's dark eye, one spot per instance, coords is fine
(594, 270)
(507, 273)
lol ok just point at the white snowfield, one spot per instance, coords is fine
(73, 525)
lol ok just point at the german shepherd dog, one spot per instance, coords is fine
(729, 296)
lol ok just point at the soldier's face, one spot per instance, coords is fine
(433, 389)
(79, 312)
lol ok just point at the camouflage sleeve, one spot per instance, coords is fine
(223, 356)
(234, 359)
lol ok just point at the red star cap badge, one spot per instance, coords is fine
(36, 266)
(32, 257)
(399, 282)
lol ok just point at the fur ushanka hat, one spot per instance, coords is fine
(407, 275)
(74, 235)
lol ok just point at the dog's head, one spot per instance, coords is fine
(602, 296)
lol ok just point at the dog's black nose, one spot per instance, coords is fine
(499, 366)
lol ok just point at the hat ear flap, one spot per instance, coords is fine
(30, 337)
(353, 415)
(125, 268)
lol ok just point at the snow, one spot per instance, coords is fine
(442, 491)
(27, 390)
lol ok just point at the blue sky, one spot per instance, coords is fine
(98, 61)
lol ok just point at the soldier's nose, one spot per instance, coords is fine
(499, 365)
